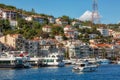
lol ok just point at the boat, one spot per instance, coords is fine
(22, 62)
(103, 61)
(53, 59)
(8, 60)
(118, 62)
(85, 67)
(67, 62)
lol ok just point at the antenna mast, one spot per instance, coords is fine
(95, 13)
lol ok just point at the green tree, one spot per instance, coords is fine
(57, 30)
(5, 26)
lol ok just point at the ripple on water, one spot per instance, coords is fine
(105, 72)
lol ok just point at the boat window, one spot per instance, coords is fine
(53, 56)
(45, 60)
(51, 60)
(4, 62)
(82, 65)
(58, 60)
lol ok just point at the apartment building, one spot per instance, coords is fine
(8, 14)
(15, 41)
(32, 47)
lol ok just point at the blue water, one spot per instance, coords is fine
(105, 72)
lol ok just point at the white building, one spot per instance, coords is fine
(39, 19)
(76, 23)
(61, 22)
(46, 28)
(8, 14)
(51, 20)
(13, 23)
(33, 47)
(28, 18)
(59, 38)
(104, 32)
(74, 51)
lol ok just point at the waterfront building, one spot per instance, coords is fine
(73, 48)
(47, 46)
(1, 47)
(74, 51)
(85, 50)
(33, 47)
(15, 41)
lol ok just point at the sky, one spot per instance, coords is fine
(109, 10)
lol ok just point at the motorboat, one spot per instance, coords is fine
(85, 67)
(103, 61)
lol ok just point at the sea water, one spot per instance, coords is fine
(104, 72)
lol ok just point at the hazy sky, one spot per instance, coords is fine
(108, 9)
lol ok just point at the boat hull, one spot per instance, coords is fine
(85, 69)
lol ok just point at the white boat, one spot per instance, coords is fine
(103, 61)
(53, 59)
(85, 67)
(10, 61)
(22, 62)
(118, 62)
(67, 62)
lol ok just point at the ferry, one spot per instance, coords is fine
(53, 59)
(8, 60)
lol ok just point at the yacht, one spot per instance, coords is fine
(85, 67)
(53, 59)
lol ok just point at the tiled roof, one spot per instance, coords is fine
(103, 45)
(68, 26)
(47, 26)
(14, 35)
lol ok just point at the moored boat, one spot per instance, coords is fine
(10, 61)
(53, 59)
